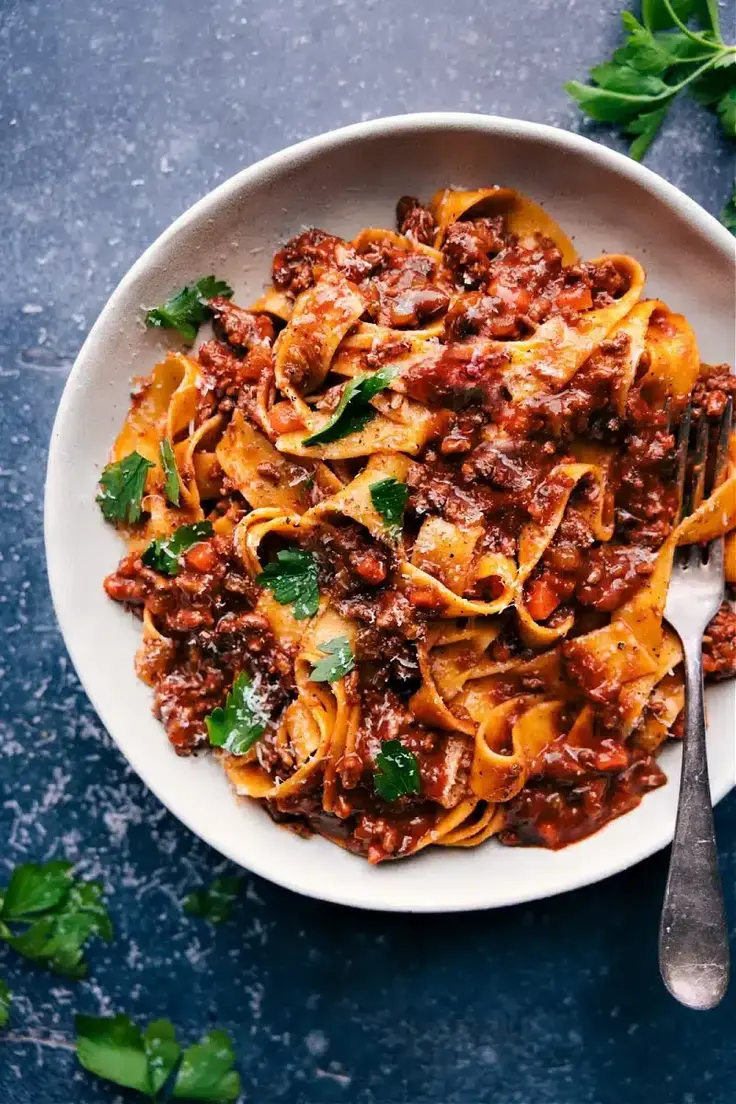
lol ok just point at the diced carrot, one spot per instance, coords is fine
(424, 598)
(202, 558)
(576, 296)
(542, 599)
(284, 418)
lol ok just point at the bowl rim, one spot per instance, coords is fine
(290, 157)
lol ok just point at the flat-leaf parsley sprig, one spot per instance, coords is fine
(164, 553)
(661, 56)
(354, 411)
(389, 498)
(122, 485)
(216, 901)
(187, 309)
(48, 916)
(152, 1062)
(293, 578)
(242, 721)
(338, 661)
(398, 771)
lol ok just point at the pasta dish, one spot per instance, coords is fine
(400, 532)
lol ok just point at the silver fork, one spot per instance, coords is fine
(693, 937)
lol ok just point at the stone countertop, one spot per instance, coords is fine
(114, 117)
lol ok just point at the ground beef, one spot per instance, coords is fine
(350, 561)
(646, 496)
(401, 292)
(607, 283)
(438, 488)
(297, 266)
(205, 613)
(469, 247)
(240, 327)
(225, 374)
(611, 574)
(458, 376)
(415, 221)
(583, 408)
(719, 644)
(712, 390)
(550, 813)
(521, 287)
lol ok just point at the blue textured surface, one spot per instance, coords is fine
(114, 117)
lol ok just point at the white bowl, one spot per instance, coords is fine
(343, 181)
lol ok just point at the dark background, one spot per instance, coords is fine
(114, 117)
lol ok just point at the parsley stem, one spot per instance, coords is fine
(715, 19)
(672, 89)
(712, 11)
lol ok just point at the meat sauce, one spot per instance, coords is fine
(488, 464)
(554, 812)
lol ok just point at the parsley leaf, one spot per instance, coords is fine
(354, 411)
(660, 57)
(338, 662)
(121, 488)
(243, 719)
(6, 999)
(293, 577)
(162, 1051)
(655, 16)
(164, 553)
(726, 109)
(187, 309)
(728, 214)
(214, 903)
(390, 497)
(48, 916)
(33, 888)
(114, 1048)
(398, 772)
(646, 127)
(172, 486)
(206, 1071)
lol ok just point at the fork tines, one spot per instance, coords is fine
(706, 464)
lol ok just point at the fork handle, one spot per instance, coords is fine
(693, 938)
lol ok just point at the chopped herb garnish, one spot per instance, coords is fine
(661, 57)
(293, 577)
(214, 903)
(164, 553)
(398, 771)
(242, 721)
(172, 486)
(728, 214)
(390, 497)
(115, 1049)
(187, 309)
(48, 916)
(6, 999)
(354, 411)
(121, 488)
(338, 662)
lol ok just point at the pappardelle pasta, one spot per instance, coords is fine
(400, 532)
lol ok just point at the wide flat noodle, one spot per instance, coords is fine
(322, 316)
(550, 358)
(260, 472)
(404, 428)
(524, 217)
